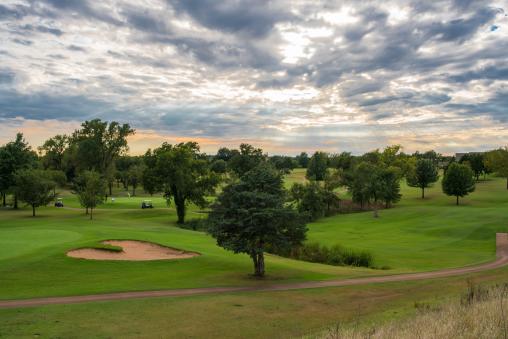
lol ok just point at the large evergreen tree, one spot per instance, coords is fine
(250, 215)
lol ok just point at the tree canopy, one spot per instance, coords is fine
(497, 161)
(250, 215)
(34, 187)
(91, 189)
(458, 181)
(183, 175)
(317, 167)
(423, 175)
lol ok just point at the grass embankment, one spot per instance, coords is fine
(242, 315)
(480, 313)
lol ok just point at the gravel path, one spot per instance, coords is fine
(501, 260)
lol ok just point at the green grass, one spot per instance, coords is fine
(238, 315)
(424, 234)
(416, 235)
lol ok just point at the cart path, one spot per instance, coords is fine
(501, 260)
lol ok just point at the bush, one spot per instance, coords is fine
(200, 224)
(335, 255)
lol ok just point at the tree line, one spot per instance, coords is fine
(254, 211)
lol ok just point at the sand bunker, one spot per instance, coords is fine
(132, 250)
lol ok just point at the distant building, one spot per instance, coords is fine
(459, 156)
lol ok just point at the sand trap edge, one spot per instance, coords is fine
(126, 254)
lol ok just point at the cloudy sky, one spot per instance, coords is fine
(284, 75)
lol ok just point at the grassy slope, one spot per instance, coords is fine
(415, 235)
(33, 261)
(239, 315)
(424, 234)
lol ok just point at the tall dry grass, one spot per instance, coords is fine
(480, 313)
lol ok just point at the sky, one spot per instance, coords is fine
(287, 76)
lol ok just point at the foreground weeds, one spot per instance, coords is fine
(480, 313)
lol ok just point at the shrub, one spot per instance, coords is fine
(335, 255)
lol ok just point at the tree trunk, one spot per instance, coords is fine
(180, 205)
(507, 183)
(110, 186)
(15, 202)
(91, 213)
(259, 264)
(457, 200)
(33, 210)
(423, 192)
(180, 211)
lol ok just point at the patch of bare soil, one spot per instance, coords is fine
(132, 250)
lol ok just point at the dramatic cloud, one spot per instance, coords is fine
(285, 75)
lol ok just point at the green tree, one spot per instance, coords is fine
(423, 175)
(497, 161)
(476, 162)
(318, 166)
(458, 181)
(99, 143)
(34, 188)
(310, 199)
(389, 188)
(135, 176)
(246, 159)
(362, 183)
(53, 151)
(250, 215)
(218, 166)
(58, 177)
(303, 160)
(14, 156)
(90, 188)
(183, 175)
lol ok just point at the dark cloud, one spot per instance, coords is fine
(42, 29)
(41, 106)
(495, 107)
(6, 76)
(254, 18)
(83, 9)
(492, 72)
(14, 12)
(22, 42)
(76, 48)
(462, 29)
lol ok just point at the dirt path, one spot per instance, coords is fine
(501, 260)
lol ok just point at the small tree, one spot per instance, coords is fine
(423, 175)
(250, 215)
(34, 188)
(458, 181)
(317, 167)
(135, 176)
(389, 188)
(497, 161)
(91, 189)
(476, 162)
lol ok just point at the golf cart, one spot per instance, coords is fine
(146, 204)
(59, 202)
